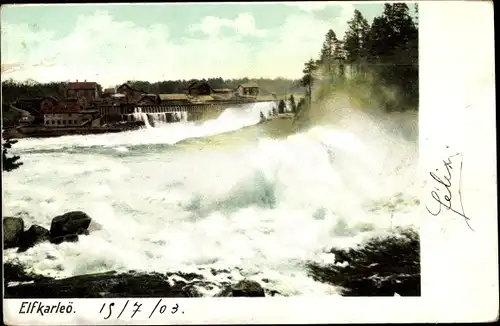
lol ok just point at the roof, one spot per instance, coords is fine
(249, 85)
(130, 87)
(222, 90)
(109, 90)
(29, 99)
(197, 84)
(152, 97)
(49, 98)
(173, 97)
(82, 85)
(203, 98)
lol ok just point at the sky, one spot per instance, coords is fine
(113, 43)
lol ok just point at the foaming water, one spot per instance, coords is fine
(258, 211)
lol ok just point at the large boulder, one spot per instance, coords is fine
(35, 234)
(13, 227)
(69, 223)
(244, 288)
(100, 285)
(64, 238)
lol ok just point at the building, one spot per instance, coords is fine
(149, 99)
(248, 90)
(173, 98)
(87, 91)
(223, 93)
(108, 92)
(197, 88)
(72, 104)
(131, 94)
(32, 105)
(53, 105)
(72, 119)
(48, 104)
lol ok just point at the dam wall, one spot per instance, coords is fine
(174, 112)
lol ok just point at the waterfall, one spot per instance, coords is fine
(145, 118)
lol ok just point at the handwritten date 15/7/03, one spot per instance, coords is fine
(445, 185)
(109, 308)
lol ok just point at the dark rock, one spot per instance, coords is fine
(82, 231)
(64, 238)
(380, 267)
(274, 293)
(69, 223)
(244, 288)
(70, 238)
(13, 227)
(101, 285)
(186, 276)
(16, 273)
(35, 234)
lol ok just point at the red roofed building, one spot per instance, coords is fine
(86, 90)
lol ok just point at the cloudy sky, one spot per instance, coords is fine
(114, 43)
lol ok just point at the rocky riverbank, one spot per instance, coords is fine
(382, 266)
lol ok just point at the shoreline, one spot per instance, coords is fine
(373, 268)
(22, 132)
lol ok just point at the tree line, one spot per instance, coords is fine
(382, 56)
(14, 90)
(267, 85)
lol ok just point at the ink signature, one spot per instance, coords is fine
(448, 187)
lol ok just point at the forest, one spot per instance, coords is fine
(377, 62)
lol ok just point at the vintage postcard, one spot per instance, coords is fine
(278, 162)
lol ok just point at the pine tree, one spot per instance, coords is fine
(9, 163)
(327, 51)
(356, 39)
(308, 78)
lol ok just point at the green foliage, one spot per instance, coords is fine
(9, 163)
(13, 90)
(356, 39)
(329, 51)
(281, 107)
(267, 85)
(293, 105)
(308, 79)
(382, 59)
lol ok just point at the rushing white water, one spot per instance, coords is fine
(259, 211)
(164, 133)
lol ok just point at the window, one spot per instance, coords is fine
(69, 122)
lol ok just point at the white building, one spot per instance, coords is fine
(71, 119)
